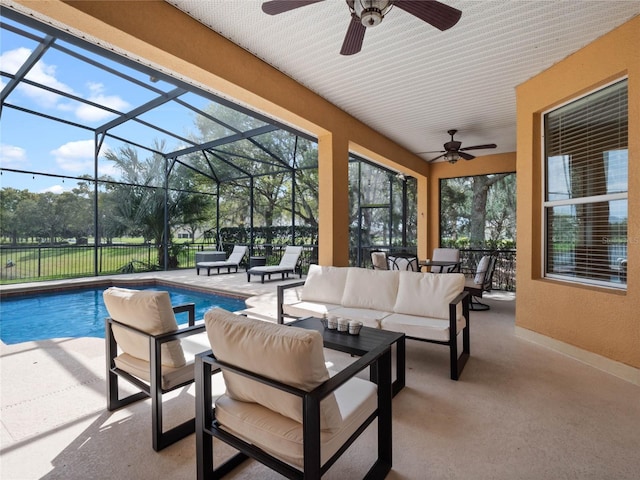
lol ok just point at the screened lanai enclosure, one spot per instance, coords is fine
(109, 165)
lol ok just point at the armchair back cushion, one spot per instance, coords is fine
(481, 270)
(324, 284)
(359, 294)
(427, 294)
(290, 355)
(146, 310)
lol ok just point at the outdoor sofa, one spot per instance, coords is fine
(429, 307)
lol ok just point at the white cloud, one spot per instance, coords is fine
(57, 189)
(40, 73)
(12, 156)
(76, 157)
(46, 74)
(89, 113)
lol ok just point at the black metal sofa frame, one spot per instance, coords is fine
(457, 363)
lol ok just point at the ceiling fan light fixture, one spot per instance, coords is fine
(371, 12)
(451, 157)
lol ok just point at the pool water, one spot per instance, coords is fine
(81, 313)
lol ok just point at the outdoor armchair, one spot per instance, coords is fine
(480, 281)
(288, 264)
(445, 254)
(145, 347)
(282, 407)
(236, 256)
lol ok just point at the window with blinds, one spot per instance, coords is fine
(586, 185)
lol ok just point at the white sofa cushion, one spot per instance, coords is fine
(369, 318)
(371, 289)
(290, 355)
(324, 284)
(421, 327)
(282, 437)
(308, 309)
(146, 310)
(427, 294)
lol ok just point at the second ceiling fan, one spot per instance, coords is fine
(369, 13)
(452, 151)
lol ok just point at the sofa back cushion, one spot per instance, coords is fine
(146, 310)
(427, 294)
(372, 289)
(290, 355)
(324, 284)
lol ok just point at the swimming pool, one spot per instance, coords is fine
(81, 312)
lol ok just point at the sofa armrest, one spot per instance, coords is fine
(463, 297)
(281, 289)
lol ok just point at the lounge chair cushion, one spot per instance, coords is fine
(282, 437)
(427, 294)
(359, 294)
(324, 284)
(146, 310)
(290, 355)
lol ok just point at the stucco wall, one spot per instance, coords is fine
(602, 321)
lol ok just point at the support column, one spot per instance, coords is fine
(333, 200)
(424, 249)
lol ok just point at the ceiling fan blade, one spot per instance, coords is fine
(466, 156)
(434, 159)
(354, 37)
(480, 147)
(274, 7)
(435, 13)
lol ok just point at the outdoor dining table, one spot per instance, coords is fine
(441, 263)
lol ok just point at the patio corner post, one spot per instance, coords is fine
(333, 200)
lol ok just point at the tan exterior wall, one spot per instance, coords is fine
(158, 32)
(602, 321)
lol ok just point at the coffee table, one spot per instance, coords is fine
(368, 339)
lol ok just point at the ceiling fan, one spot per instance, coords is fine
(369, 13)
(452, 151)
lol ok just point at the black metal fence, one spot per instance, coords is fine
(51, 262)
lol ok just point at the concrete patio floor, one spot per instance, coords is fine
(519, 410)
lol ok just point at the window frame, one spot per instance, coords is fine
(548, 205)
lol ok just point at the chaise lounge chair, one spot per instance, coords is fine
(238, 253)
(288, 264)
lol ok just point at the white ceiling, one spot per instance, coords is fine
(412, 82)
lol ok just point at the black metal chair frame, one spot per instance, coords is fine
(411, 258)
(207, 426)
(153, 389)
(284, 271)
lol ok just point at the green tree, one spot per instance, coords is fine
(139, 202)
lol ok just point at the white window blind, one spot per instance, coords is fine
(586, 185)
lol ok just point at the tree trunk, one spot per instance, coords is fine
(481, 185)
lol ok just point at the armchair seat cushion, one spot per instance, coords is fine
(282, 437)
(171, 376)
(421, 327)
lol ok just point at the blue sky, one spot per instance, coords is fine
(30, 143)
